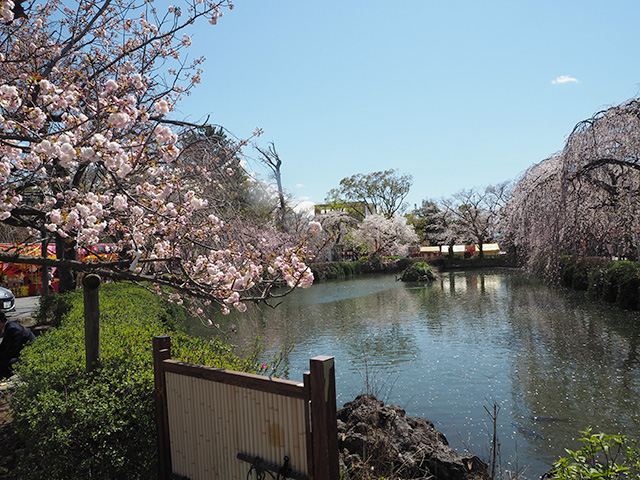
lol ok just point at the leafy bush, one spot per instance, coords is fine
(625, 283)
(596, 284)
(602, 457)
(573, 273)
(77, 425)
(53, 308)
(341, 270)
(404, 263)
(450, 263)
(617, 283)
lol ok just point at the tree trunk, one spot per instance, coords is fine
(66, 250)
(45, 269)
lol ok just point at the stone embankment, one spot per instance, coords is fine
(378, 440)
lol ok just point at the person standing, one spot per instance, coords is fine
(13, 338)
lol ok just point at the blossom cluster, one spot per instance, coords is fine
(86, 148)
(6, 10)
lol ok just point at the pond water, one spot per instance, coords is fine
(552, 361)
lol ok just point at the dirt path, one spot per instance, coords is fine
(8, 439)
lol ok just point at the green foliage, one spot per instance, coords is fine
(596, 284)
(429, 223)
(574, 274)
(455, 262)
(341, 270)
(601, 457)
(369, 264)
(77, 425)
(53, 308)
(404, 263)
(625, 283)
(617, 283)
(418, 272)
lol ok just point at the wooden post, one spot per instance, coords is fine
(161, 352)
(324, 418)
(45, 268)
(91, 285)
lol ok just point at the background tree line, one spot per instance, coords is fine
(582, 201)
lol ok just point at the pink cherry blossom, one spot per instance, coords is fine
(87, 151)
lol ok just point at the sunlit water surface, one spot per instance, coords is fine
(552, 361)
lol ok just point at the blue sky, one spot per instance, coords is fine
(459, 94)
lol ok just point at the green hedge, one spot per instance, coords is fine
(459, 263)
(341, 270)
(619, 284)
(574, 274)
(76, 425)
(614, 282)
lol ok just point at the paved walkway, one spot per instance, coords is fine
(25, 309)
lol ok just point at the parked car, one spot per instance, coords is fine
(7, 300)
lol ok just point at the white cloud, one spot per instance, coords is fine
(565, 79)
(299, 185)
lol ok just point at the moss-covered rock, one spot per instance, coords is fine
(418, 272)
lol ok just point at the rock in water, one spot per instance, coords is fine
(418, 272)
(384, 441)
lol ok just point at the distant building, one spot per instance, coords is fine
(468, 251)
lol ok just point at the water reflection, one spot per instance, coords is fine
(577, 361)
(555, 362)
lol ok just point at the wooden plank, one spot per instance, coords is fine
(162, 352)
(278, 386)
(206, 433)
(211, 422)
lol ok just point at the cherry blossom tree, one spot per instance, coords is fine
(337, 226)
(584, 200)
(474, 214)
(89, 151)
(380, 235)
(535, 216)
(602, 165)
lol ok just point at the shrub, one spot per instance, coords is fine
(596, 284)
(602, 457)
(581, 277)
(574, 273)
(405, 263)
(622, 280)
(52, 309)
(617, 283)
(341, 270)
(77, 425)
